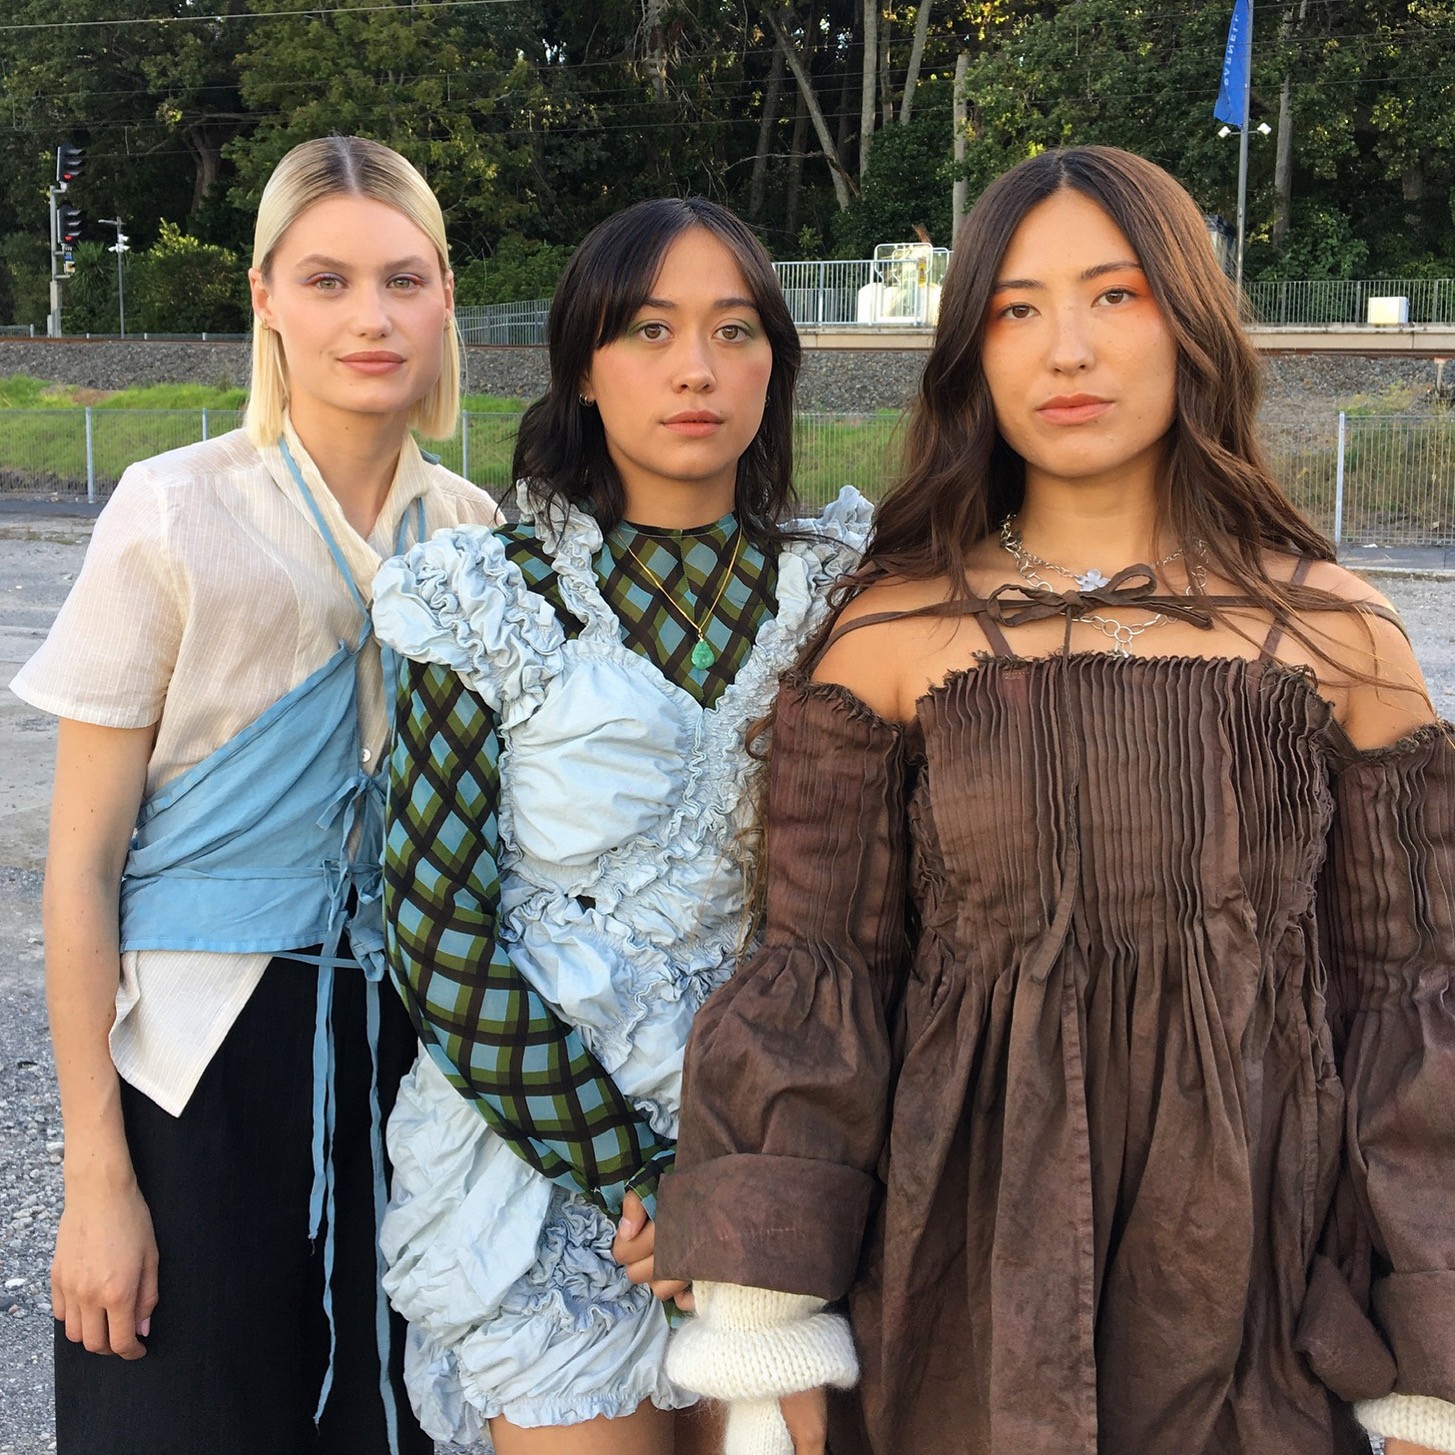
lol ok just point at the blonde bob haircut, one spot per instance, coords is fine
(332, 166)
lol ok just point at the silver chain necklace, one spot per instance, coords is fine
(1121, 634)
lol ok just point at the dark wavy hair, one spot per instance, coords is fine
(960, 479)
(560, 450)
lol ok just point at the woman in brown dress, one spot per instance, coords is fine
(1101, 1048)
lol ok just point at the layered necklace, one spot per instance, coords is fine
(703, 652)
(1121, 633)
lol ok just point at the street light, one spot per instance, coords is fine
(1263, 129)
(120, 248)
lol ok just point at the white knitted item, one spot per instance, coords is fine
(758, 1344)
(755, 1427)
(1414, 1417)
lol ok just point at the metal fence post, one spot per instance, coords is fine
(1339, 485)
(90, 462)
(204, 424)
(465, 443)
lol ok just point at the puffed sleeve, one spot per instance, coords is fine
(1388, 916)
(109, 656)
(486, 1027)
(786, 1085)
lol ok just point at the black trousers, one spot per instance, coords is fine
(239, 1343)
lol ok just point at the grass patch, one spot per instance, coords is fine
(1395, 399)
(19, 392)
(176, 396)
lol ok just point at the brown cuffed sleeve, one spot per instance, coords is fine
(1388, 906)
(786, 1084)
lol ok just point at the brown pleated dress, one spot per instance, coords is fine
(1101, 1051)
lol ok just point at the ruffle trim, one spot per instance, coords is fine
(704, 818)
(458, 601)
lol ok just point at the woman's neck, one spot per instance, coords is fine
(1082, 527)
(356, 454)
(677, 504)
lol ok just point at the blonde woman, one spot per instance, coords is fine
(225, 1058)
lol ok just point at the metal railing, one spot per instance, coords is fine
(1379, 479)
(504, 323)
(836, 293)
(1314, 301)
(864, 292)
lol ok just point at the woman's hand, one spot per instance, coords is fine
(807, 1416)
(1404, 1447)
(634, 1247)
(104, 1273)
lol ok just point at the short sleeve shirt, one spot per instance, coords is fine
(208, 593)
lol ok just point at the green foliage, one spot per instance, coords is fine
(907, 184)
(1321, 244)
(25, 277)
(181, 285)
(535, 119)
(88, 298)
(519, 271)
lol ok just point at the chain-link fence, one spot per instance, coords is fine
(1379, 479)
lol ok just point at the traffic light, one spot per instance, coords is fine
(68, 164)
(70, 221)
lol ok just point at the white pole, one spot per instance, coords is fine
(465, 443)
(90, 462)
(1243, 148)
(1339, 486)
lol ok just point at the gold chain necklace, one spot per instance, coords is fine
(703, 655)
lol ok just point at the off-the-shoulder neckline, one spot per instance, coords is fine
(1344, 749)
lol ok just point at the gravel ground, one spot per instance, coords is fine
(39, 554)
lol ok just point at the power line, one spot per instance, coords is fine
(222, 19)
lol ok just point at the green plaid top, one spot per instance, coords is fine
(496, 1039)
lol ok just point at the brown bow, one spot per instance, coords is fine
(1014, 605)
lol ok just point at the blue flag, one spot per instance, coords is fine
(1237, 67)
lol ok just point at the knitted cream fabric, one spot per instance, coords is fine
(1413, 1417)
(750, 1346)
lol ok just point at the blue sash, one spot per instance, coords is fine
(272, 842)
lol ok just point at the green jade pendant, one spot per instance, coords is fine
(703, 655)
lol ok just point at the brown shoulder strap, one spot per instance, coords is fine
(1274, 639)
(1371, 608)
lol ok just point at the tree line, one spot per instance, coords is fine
(830, 124)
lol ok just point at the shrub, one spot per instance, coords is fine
(181, 285)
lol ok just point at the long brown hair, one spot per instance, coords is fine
(960, 479)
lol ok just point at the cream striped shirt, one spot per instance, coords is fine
(207, 594)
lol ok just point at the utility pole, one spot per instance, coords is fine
(120, 249)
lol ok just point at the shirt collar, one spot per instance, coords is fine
(364, 557)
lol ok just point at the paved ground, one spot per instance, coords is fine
(40, 551)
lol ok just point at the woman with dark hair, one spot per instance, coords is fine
(562, 883)
(1102, 1047)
